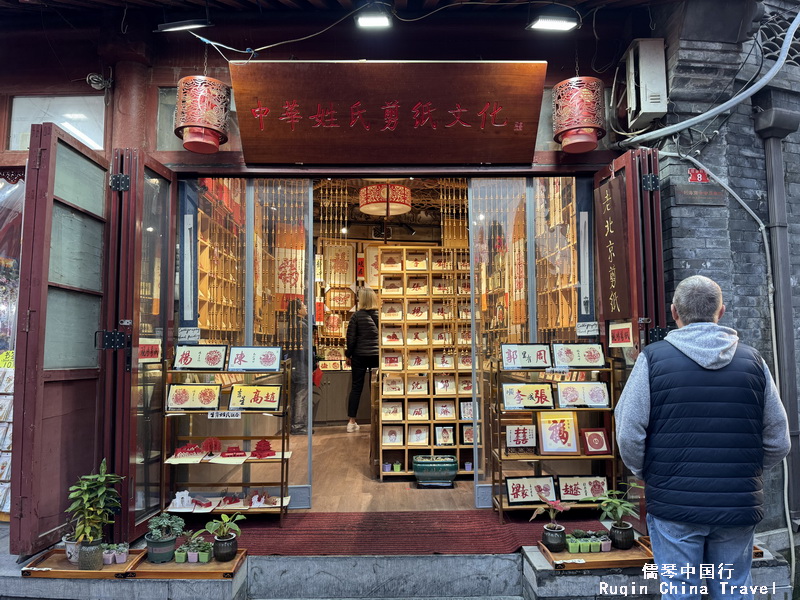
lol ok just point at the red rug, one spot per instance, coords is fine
(377, 533)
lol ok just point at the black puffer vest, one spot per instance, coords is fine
(704, 452)
(362, 334)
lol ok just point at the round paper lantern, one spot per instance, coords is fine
(578, 114)
(201, 113)
(372, 199)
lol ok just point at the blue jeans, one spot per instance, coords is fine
(727, 552)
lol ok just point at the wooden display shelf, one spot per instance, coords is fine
(502, 502)
(523, 457)
(54, 564)
(141, 569)
(567, 561)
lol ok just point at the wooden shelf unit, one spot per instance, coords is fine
(172, 439)
(425, 359)
(499, 418)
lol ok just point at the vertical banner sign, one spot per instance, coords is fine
(612, 251)
(372, 112)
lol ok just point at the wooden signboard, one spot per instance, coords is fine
(371, 112)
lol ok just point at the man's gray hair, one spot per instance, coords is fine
(697, 299)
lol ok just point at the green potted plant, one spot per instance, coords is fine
(224, 531)
(163, 530)
(553, 536)
(594, 542)
(94, 502)
(205, 550)
(121, 553)
(583, 540)
(181, 553)
(573, 545)
(71, 547)
(615, 506)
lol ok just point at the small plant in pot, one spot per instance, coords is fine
(164, 529)
(615, 506)
(553, 537)
(108, 553)
(94, 502)
(225, 532)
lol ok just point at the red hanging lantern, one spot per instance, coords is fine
(578, 114)
(201, 113)
(384, 199)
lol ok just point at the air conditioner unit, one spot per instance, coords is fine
(646, 84)
(377, 233)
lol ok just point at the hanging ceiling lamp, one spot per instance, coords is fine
(578, 114)
(384, 199)
(201, 113)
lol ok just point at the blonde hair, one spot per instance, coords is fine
(367, 298)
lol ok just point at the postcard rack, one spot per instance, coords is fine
(234, 431)
(551, 430)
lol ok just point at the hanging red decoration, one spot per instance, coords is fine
(578, 114)
(201, 113)
(373, 199)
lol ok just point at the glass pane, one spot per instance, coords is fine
(76, 249)
(148, 387)
(167, 140)
(72, 319)
(79, 181)
(83, 117)
(11, 202)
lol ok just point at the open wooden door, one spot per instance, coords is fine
(67, 293)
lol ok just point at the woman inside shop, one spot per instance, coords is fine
(362, 349)
(296, 340)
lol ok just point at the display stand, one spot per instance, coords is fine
(506, 462)
(194, 426)
(425, 397)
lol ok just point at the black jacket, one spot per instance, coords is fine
(362, 334)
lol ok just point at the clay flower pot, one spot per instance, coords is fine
(554, 537)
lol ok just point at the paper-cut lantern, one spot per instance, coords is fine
(372, 199)
(201, 113)
(578, 114)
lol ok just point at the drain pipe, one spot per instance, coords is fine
(773, 125)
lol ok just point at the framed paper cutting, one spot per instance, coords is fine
(254, 358)
(595, 441)
(392, 435)
(339, 264)
(525, 356)
(392, 360)
(417, 285)
(392, 411)
(444, 385)
(418, 411)
(590, 394)
(465, 386)
(444, 435)
(416, 260)
(558, 433)
(578, 355)
(393, 385)
(520, 436)
(416, 310)
(266, 398)
(333, 325)
(418, 360)
(468, 435)
(442, 311)
(330, 365)
(391, 260)
(340, 298)
(333, 353)
(581, 488)
(466, 410)
(525, 396)
(392, 311)
(200, 358)
(417, 335)
(371, 265)
(417, 385)
(443, 360)
(526, 490)
(444, 409)
(418, 435)
(193, 396)
(391, 335)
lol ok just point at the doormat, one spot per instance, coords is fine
(381, 533)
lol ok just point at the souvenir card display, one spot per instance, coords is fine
(444, 435)
(465, 336)
(465, 362)
(392, 335)
(391, 260)
(466, 410)
(393, 385)
(417, 310)
(418, 360)
(444, 409)
(255, 397)
(592, 394)
(441, 336)
(443, 361)
(525, 396)
(520, 436)
(417, 335)
(391, 285)
(595, 441)
(469, 433)
(417, 285)
(392, 411)
(335, 353)
(442, 262)
(464, 311)
(418, 411)
(392, 435)
(444, 385)
(442, 286)
(463, 287)
(193, 396)
(465, 385)
(254, 358)
(530, 490)
(340, 299)
(391, 311)
(416, 261)
(418, 435)
(441, 311)
(558, 432)
(417, 385)
(330, 365)
(525, 356)
(200, 358)
(392, 360)
(581, 488)
(578, 355)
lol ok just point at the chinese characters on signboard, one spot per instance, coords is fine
(612, 251)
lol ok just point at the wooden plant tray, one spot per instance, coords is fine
(141, 569)
(635, 557)
(645, 540)
(54, 564)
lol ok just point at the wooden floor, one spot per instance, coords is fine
(343, 480)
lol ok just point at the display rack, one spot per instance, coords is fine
(425, 397)
(505, 464)
(194, 426)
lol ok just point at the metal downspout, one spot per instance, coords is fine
(773, 125)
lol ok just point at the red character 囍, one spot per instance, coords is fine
(520, 436)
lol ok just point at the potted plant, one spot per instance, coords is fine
(594, 542)
(573, 545)
(605, 543)
(614, 505)
(181, 553)
(164, 529)
(224, 531)
(205, 549)
(108, 553)
(94, 502)
(71, 547)
(121, 553)
(553, 536)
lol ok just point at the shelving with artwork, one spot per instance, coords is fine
(552, 409)
(226, 428)
(425, 395)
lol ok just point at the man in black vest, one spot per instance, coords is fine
(699, 421)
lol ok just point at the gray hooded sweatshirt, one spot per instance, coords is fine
(711, 346)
